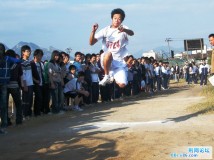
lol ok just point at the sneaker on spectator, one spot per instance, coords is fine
(121, 98)
(163, 88)
(105, 80)
(26, 118)
(61, 112)
(49, 113)
(77, 108)
(3, 131)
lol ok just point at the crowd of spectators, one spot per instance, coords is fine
(54, 86)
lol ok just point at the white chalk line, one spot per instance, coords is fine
(130, 124)
(102, 125)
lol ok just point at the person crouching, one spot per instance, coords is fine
(74, 89)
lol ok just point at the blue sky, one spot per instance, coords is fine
(68, 23)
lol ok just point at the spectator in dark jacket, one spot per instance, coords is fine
(38, 80)
(5, 65)
(14, 86)
(177, 72)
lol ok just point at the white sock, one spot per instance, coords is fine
(107, 75)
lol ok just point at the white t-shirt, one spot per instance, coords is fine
(27, 72)
(72, 86)
(113, 41)
(203, 66)
(164, 70)
(157, 70)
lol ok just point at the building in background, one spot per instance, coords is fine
(150, 53)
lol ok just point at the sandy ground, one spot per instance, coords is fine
(137, 128)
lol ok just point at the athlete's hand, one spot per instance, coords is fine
(95, 27)
(120, 28)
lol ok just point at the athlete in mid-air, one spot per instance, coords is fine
(114, 40)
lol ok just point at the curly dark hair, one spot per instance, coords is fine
(211, 35)
(118, 11)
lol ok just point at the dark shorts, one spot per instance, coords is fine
(73, 94)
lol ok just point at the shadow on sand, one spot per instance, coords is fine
(71, 135)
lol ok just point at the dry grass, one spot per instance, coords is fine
(207, 106)
(181, 83)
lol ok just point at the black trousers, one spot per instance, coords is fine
(16, 95)
(27, 100)
(45, 108)
(37, 99)
(106, 92)
(203, 79)
(95, 91)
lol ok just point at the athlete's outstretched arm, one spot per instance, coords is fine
(128, 31)
(93, 40)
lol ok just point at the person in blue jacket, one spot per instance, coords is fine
(5, 64)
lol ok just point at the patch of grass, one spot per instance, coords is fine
(181, 83)
(207, 106)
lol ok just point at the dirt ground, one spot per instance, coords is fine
(137, 128)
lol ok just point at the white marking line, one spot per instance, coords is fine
(130, 124)
(100, 125)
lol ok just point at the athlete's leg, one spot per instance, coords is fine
(106, 60)
(120, 77)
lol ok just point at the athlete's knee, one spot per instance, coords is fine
(108, 56)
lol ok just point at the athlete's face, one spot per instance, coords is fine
(116, 20)
(211, 39)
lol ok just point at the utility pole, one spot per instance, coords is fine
(68, 50)
(168, 40)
